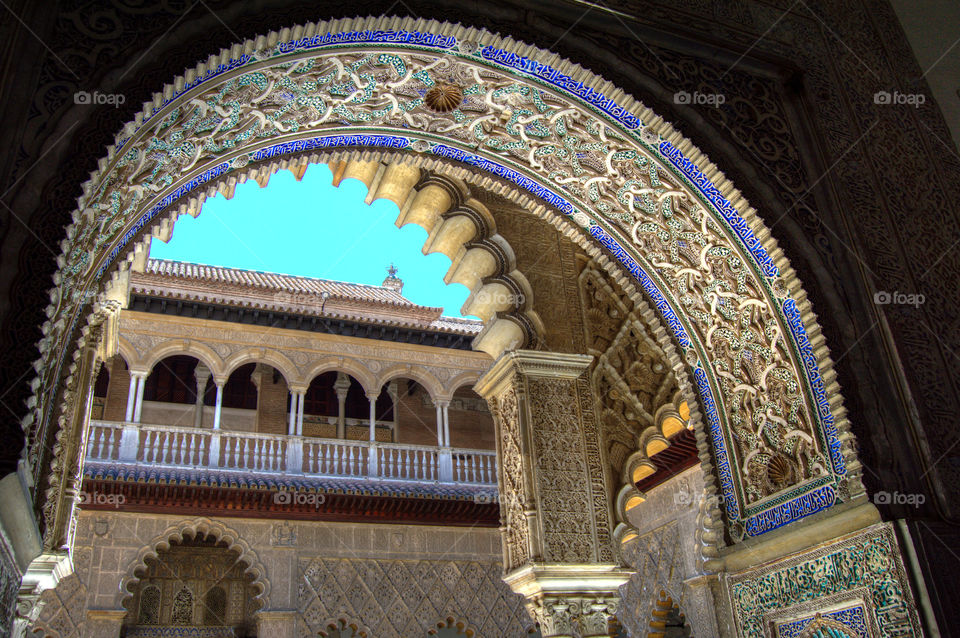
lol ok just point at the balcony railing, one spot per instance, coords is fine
(170, 446)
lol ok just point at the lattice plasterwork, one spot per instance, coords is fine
(547, 127)
(402, 598)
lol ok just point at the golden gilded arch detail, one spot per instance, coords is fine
(603, 168)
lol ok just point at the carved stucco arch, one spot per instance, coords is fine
(431, 383)
(335, 363)
(202, 352)
(128, 352)
(253, 354)
(630, 184)
(176, 533)
(465, 378)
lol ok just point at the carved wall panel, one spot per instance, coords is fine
(552, 483)
(405, 598)
(562, 479)
(184, 586)
(64, 609)
(512, 488)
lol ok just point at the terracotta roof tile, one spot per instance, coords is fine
(277, 291)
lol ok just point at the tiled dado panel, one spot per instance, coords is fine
(853, 586)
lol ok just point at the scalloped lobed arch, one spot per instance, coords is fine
(568, 146)
(176, 533)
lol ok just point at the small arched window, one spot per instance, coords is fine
(182, 608)
(149, 606)
(215, 607)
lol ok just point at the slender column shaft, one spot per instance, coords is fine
(446, 423)
(131, 397)
(292, 426)
(439, 424)
(141, 382)
(341, 415)
(216, 409)
(373, 418)
(300, 404)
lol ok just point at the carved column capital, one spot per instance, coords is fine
(574, 616)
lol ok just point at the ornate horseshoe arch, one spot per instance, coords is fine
(509, 117)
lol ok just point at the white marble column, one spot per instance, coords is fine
(294, 404)
(138, 406)
(373, 471)
(439, 423)
(219, 404)
(372, 398)
(445, 457)
(131, 397)
(301, 403)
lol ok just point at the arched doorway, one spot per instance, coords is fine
(730, 317)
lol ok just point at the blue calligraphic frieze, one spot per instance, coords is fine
(314, 143)
(524, 182)
(792, 315)
(804, 505)
(666, 310)
(721, 459)
(385, 36)
(548, 74)
(725, 208)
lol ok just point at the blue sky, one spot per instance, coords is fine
(312, 229)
